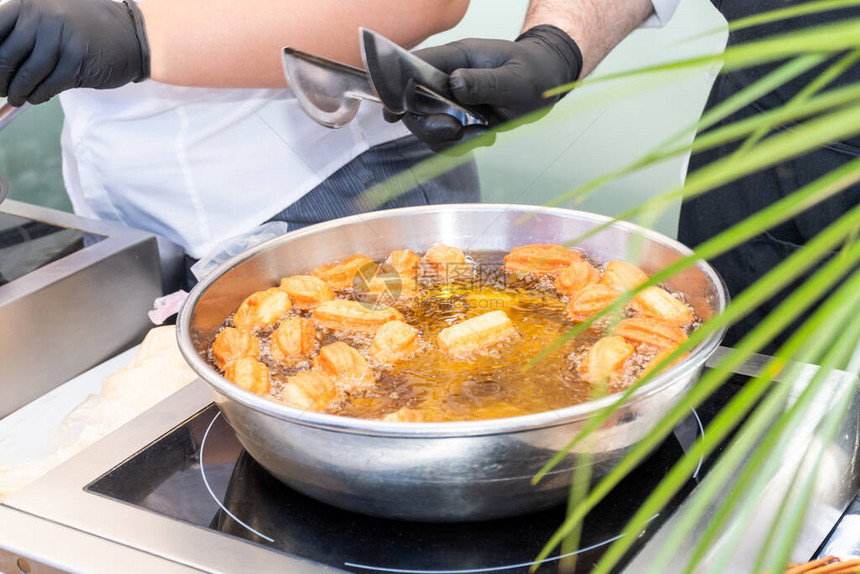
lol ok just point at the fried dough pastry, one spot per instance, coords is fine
(476, 335)
(341, 274)
(589, 300)
(306, 291)
(605, 359)
(250, 374)
(650, 331)
(294, 339)
(446, 262)
(231, 344)
(342, 315)
(659, 303)
(404, 415)
(540, 259)
(385, 291)
(394, 341)
(622, 275)
(309, 390)
(405, 261)
(262, 309)
(576, 276)
(407, 265)
(389, 286)
(349, 369)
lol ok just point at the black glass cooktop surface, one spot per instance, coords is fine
(199, 473)
(27, 245)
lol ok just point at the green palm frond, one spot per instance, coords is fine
(824, 39)
(755, 425)
(787, 312)
(845, 350)
(825, 78)
(780, 14)
(789, 12)
(811, 344)
(829, 338)
(807, 344)
(840, 124)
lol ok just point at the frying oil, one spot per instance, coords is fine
(501, 382)
(494, 384)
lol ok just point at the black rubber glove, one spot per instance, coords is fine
(504, 80)
(48, 46)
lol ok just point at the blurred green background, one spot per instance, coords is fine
(590, 132)
(30, 156)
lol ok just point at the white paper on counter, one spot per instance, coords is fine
(53, 428)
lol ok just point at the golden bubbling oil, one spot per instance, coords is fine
(488, 386)
(493, 385)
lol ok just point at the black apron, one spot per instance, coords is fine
(711, 213)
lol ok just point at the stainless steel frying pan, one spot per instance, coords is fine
(437, 471)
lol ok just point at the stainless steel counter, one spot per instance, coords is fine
(76, 311)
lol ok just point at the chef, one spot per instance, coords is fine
(564, 40)
(184, 125)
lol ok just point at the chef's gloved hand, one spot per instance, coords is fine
(504, 80)
(48, 46)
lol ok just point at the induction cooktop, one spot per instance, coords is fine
(199, 473)
(174, 491)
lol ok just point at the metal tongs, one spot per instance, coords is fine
(330, 92)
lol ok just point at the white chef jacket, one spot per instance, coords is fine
(199, 165)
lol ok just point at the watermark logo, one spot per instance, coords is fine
(457, 286)
(377, 286)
